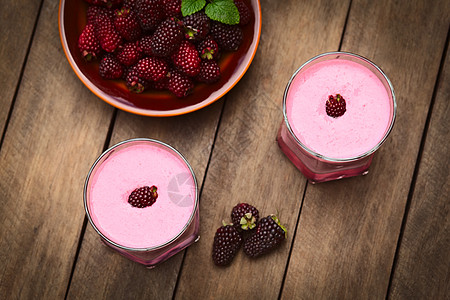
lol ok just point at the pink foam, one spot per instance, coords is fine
(363, 125)
(137, 166)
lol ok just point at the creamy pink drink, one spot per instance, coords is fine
(148, 234)
(326, 147)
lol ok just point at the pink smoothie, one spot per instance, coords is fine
(363, 125)
(135, 166)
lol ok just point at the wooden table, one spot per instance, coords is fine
(386, 234)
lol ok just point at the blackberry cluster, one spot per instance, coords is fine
(258, 239)
(149, 41)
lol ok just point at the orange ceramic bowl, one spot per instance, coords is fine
(233, 65)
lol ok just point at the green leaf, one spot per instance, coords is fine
(224, 11)
(188, 7)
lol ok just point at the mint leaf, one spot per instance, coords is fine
(188, 7)
(224, 11)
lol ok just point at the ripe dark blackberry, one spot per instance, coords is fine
(143, 196)
(172, 7)
(91, 13)
(269, 234)
(145, 43)
(244, 216)
(110, 68)
(135, 83)
(209, 71)
(179, 84)
(130, 4)
(127, 24)
(166, 38)
(208, 48)
(196, 26)
(229, 37)
(129, 53)
(227, 242)
(152, 68)
(150, 13)
(186, 59)
(244, 12)
(335, 106)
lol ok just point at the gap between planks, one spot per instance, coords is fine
(417, 165)
(19, 81)
(85, 221)
(344, 28)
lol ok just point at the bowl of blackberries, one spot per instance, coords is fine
(160, 57)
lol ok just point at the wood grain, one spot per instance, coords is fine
(57, 128)
(348, 230)
(247, 165)
(423, 263)
(14, 42)
(102, 274)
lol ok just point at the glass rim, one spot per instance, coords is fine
(106, 152)
(391, 90)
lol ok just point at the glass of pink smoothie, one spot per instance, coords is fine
(151, 234)
(325, 147)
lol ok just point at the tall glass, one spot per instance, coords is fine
(316, 166)
(175, 214)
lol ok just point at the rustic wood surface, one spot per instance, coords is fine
(384, 235)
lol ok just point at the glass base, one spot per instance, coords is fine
(151, 258)
(315, 169)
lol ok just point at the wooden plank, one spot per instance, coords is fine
(423, 264)
(247, 165)
(99, 271)
(14, 42)
(348, 230)
(57, 128)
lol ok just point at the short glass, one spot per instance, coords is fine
(317, 167)
(148, 256)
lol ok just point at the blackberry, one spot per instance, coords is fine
(209, 71)
(208, 48)
(128, 54)
(229, 37)
(196, 26)
(335, 106)
(150, 13)
(110, 68)
(152, 68)
(167, 38)
(244, 216)
(244, 12)
(135, 83)
(179, 84)
(145, 44)
(269, 234)
(106, 33)
(172, 7)
(186, 59)
(88, 43)
(127, 24)
(143, 196)
(227, 242)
